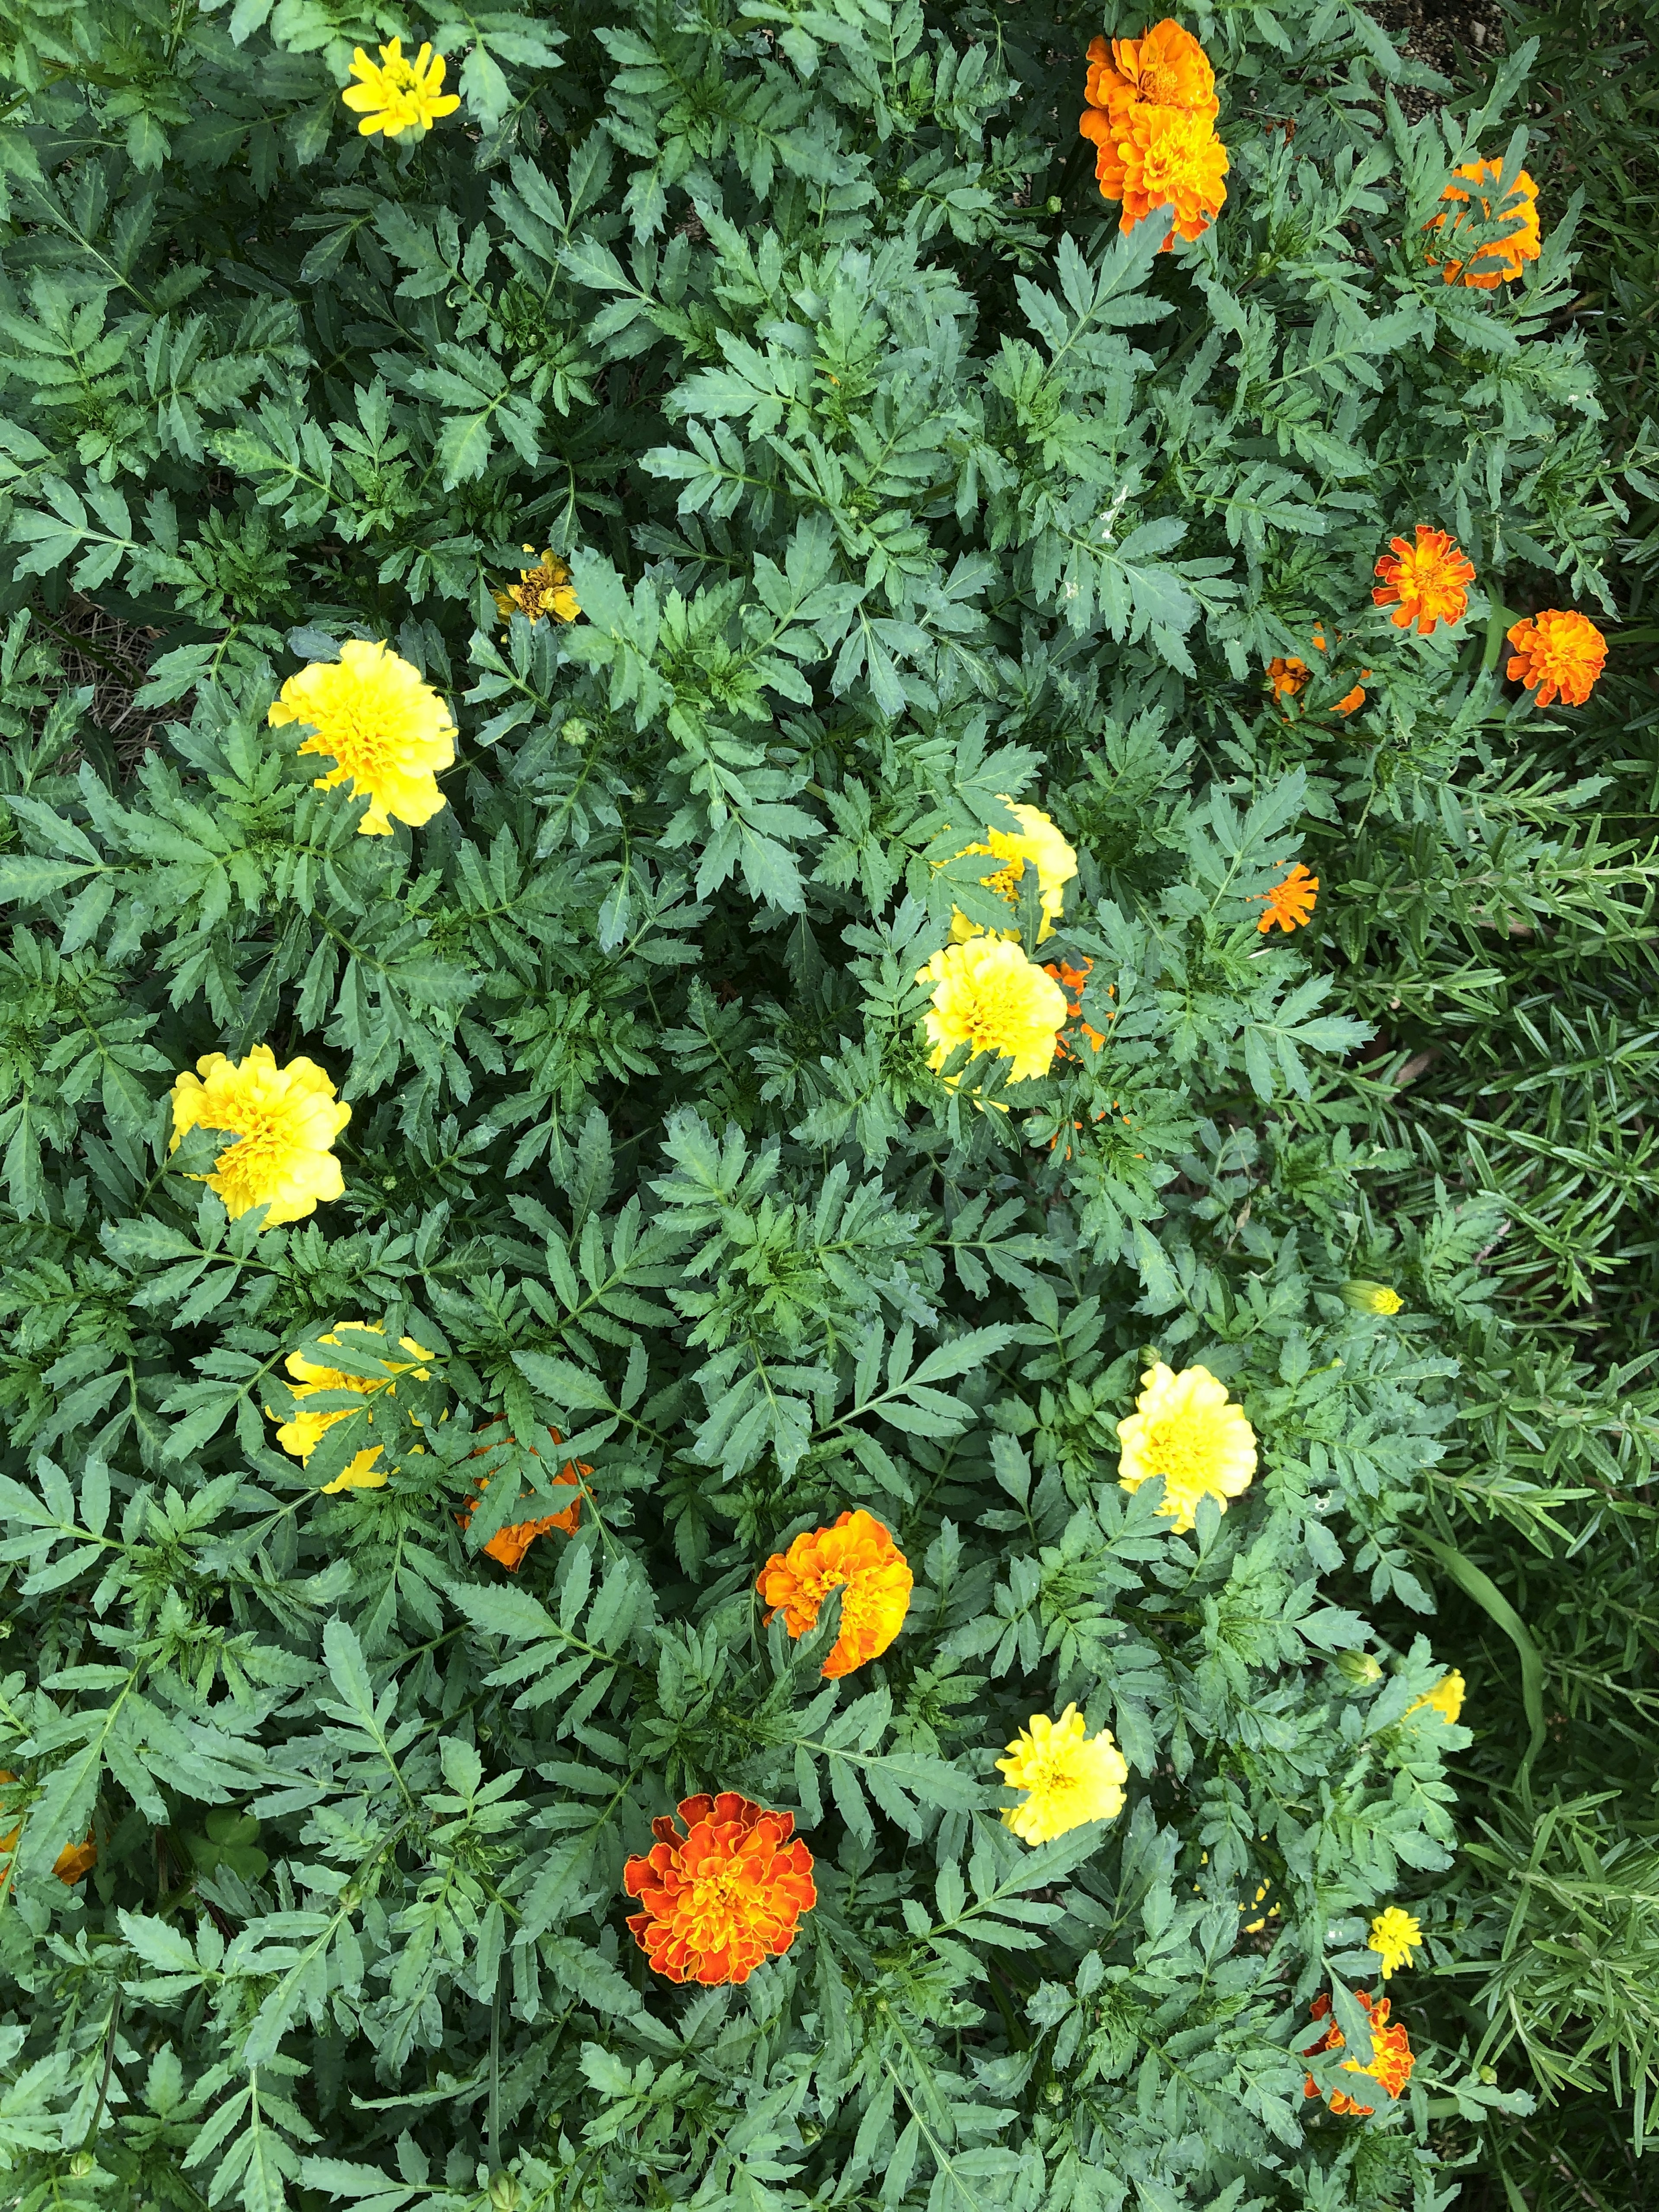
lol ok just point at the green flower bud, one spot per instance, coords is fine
(574, 732)
(1054, 204)
(81, 2164)
(1359, 1669)
(504, 2192)
(1371, 1297)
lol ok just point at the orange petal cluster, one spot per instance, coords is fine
(1288, 677)
(857, 1556)
(1071, 980)
(724, 1896)
(1151, 117)
(73, 1862)
(1391, 2054)
(1426, 582)
(1289, 903)
(1558, 651)
(510, 1544)
(1506, 254)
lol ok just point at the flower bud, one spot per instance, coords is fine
(504, 2192)
(1371, 1297)
(81, 2164)
(574, 732)
(1358, 1668)
(1054, 204)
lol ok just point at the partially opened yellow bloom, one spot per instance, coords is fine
(375, 715)
(1036, 844)
(286, 1119)
(1186, 1429)
(304, 1432)
(1069, 1777)
(1446, 1698)
(1395, 1935)
(988, 995)
(397, 95)
(543, 590)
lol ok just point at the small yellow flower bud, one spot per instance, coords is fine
(1371, 1297)
(1358, 1668)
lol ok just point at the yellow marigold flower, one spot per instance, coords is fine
(1446, 1698)
(1428, 581)
(1395, 1935)
(71, 1865)
(397, 95)
(1558, 651)
(857, 1556)
(285, 1119)
(1037, 842)
(373, 714)
(1069, 1777)
(987, 994)
(1506, 254)
(543, 590)
(302, 1432)
(1371, 1297)
(1186, 1430)
(1289, 903)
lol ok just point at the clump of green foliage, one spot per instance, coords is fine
(893, 481)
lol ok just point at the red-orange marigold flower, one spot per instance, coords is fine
(72, 1862)
(1289, 903)
(1429, 581)
(1391, 2054)
(510, 1544)
(1558, 651)
(723, 1897)
(857, 1556)
(1504, 255)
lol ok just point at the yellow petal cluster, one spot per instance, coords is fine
(1395, 1935)
(285, 1119)
(1036, 844)
(988, 995)
(1446, 1698)
(543, 590)
(374, 715)
(301, 1434)
(1068, 1776)
(395, 94)
(1186, 1430)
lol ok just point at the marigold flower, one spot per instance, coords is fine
(1173, 159)
(1166, 67)
(1503, 257)
(1371, 1297)
(1037, 842)
(397, 95)
(285, 1119)
(373, 714)
(1395, 1935)
(1289, 903)
(1429, 580)
(988, 995)
(544, 590)
(1446, 1698)
(510, 1544)
(724, 1897)
(71, 1865)
(301, 1433)
(1150, 118)
(1069, 1777)
(1558, 651)
(1072, 981)
(1391, 2054)
(1288, 676)
(857, 1556)
(1186, 1429)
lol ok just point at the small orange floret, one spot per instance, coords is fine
(1503, 257)
(510, 1544)
(1289, 903)
(74, 1862)
(1428, 581)
(724, 1897)
(1288, 677)
(1558, 651)
(857, 1556)
(1071, 980)
(1391, 2054)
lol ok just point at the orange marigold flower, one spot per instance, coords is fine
(1558, 651)
(1498, 263)
(723, 1897)
(1173, 159)
(74, 1862)
(1391, 2054)
(1429, 581)
(510, 1544)
(1289, 903)
(1150, 118)
(1071, 980)
(1288, 676)
(857, 1556)
(1166, 67)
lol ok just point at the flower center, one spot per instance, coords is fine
(1181, 1450)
